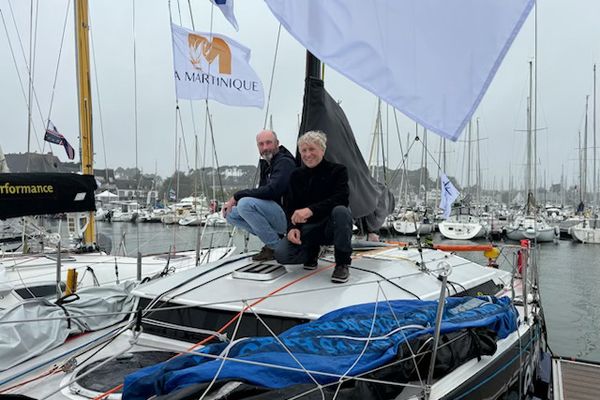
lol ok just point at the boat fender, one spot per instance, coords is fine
(519, 261)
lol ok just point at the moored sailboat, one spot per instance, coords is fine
(234, 300)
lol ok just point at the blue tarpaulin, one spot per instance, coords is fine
(332, 344)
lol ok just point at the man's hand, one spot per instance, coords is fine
(228, 206)
(294, 236)
(301, 216)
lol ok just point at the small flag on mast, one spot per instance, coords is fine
(226, 7)
(53, 136)
(449, 194)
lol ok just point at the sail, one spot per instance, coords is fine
(431, 59)
(369, 199)
(24, 194)
(324, 345)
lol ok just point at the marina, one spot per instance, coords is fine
(321, 273)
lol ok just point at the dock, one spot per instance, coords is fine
(575, 379)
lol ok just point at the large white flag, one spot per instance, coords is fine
(449, 194)
(226, 7)
(212, 66)
(431, 59)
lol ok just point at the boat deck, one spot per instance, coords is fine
(575, 380)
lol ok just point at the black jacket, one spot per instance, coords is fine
(320, 188)
(274, 178)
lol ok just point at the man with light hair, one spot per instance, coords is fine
(317, 210)
(259, 210)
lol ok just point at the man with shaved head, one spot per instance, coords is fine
(259, 210)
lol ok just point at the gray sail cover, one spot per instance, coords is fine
(20, 341)
(369, 199)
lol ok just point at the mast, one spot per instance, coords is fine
(478, 172)
(313, 66)
(585, 150)
(85, 104)
(529, 141)
(595, 185)
(469, 158)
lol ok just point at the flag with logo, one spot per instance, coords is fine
(172, 194)
(431, 59)
(213, 66)
(448, 195)
(226, 7)
(53, 136)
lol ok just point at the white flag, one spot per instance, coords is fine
(226, 7)
(431, 59)
(214, 67)
(449, 193)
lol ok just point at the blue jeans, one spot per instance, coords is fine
(336, 230)
(262, 218)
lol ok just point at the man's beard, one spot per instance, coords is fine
(268, 156)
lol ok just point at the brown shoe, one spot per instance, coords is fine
(341, 274)
(265, 254)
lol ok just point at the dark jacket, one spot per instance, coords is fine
(320, 188)
(274, 178)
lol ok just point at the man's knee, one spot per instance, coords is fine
(245, 204)
(282, 251)
(341, 214)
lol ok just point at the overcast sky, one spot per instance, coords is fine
(569, 45)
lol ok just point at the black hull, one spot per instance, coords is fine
(512, 371)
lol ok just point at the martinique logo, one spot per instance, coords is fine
(203, 52)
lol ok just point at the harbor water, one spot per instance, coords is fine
(569, 273)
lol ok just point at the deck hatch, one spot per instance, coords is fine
(259, 271)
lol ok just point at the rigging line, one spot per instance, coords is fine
(358, 377)
(60, 48)
(412, 353)
(135, 114)
(272, 76)
(26, 66)
(341, 379)
(287, 350)
(99, 102)
(225, 354)
(185, 282)
(291, 293)
(273, 292)
(67, 317)
(60, 356)
(32, 42)
(51, 371)
(383, 148)
(431, 155)
(389, 280)
(404, 159)
(187, 158)
(74, 379)
(212, 136)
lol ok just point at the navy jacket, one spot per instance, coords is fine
(320, 188)
(274, 178)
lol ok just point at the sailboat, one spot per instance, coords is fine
(387, 332)
(588, 231)
(464, 222)
(531, 225)
(29, 280)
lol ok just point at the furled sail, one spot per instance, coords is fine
(431, 59)
(24, 194)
